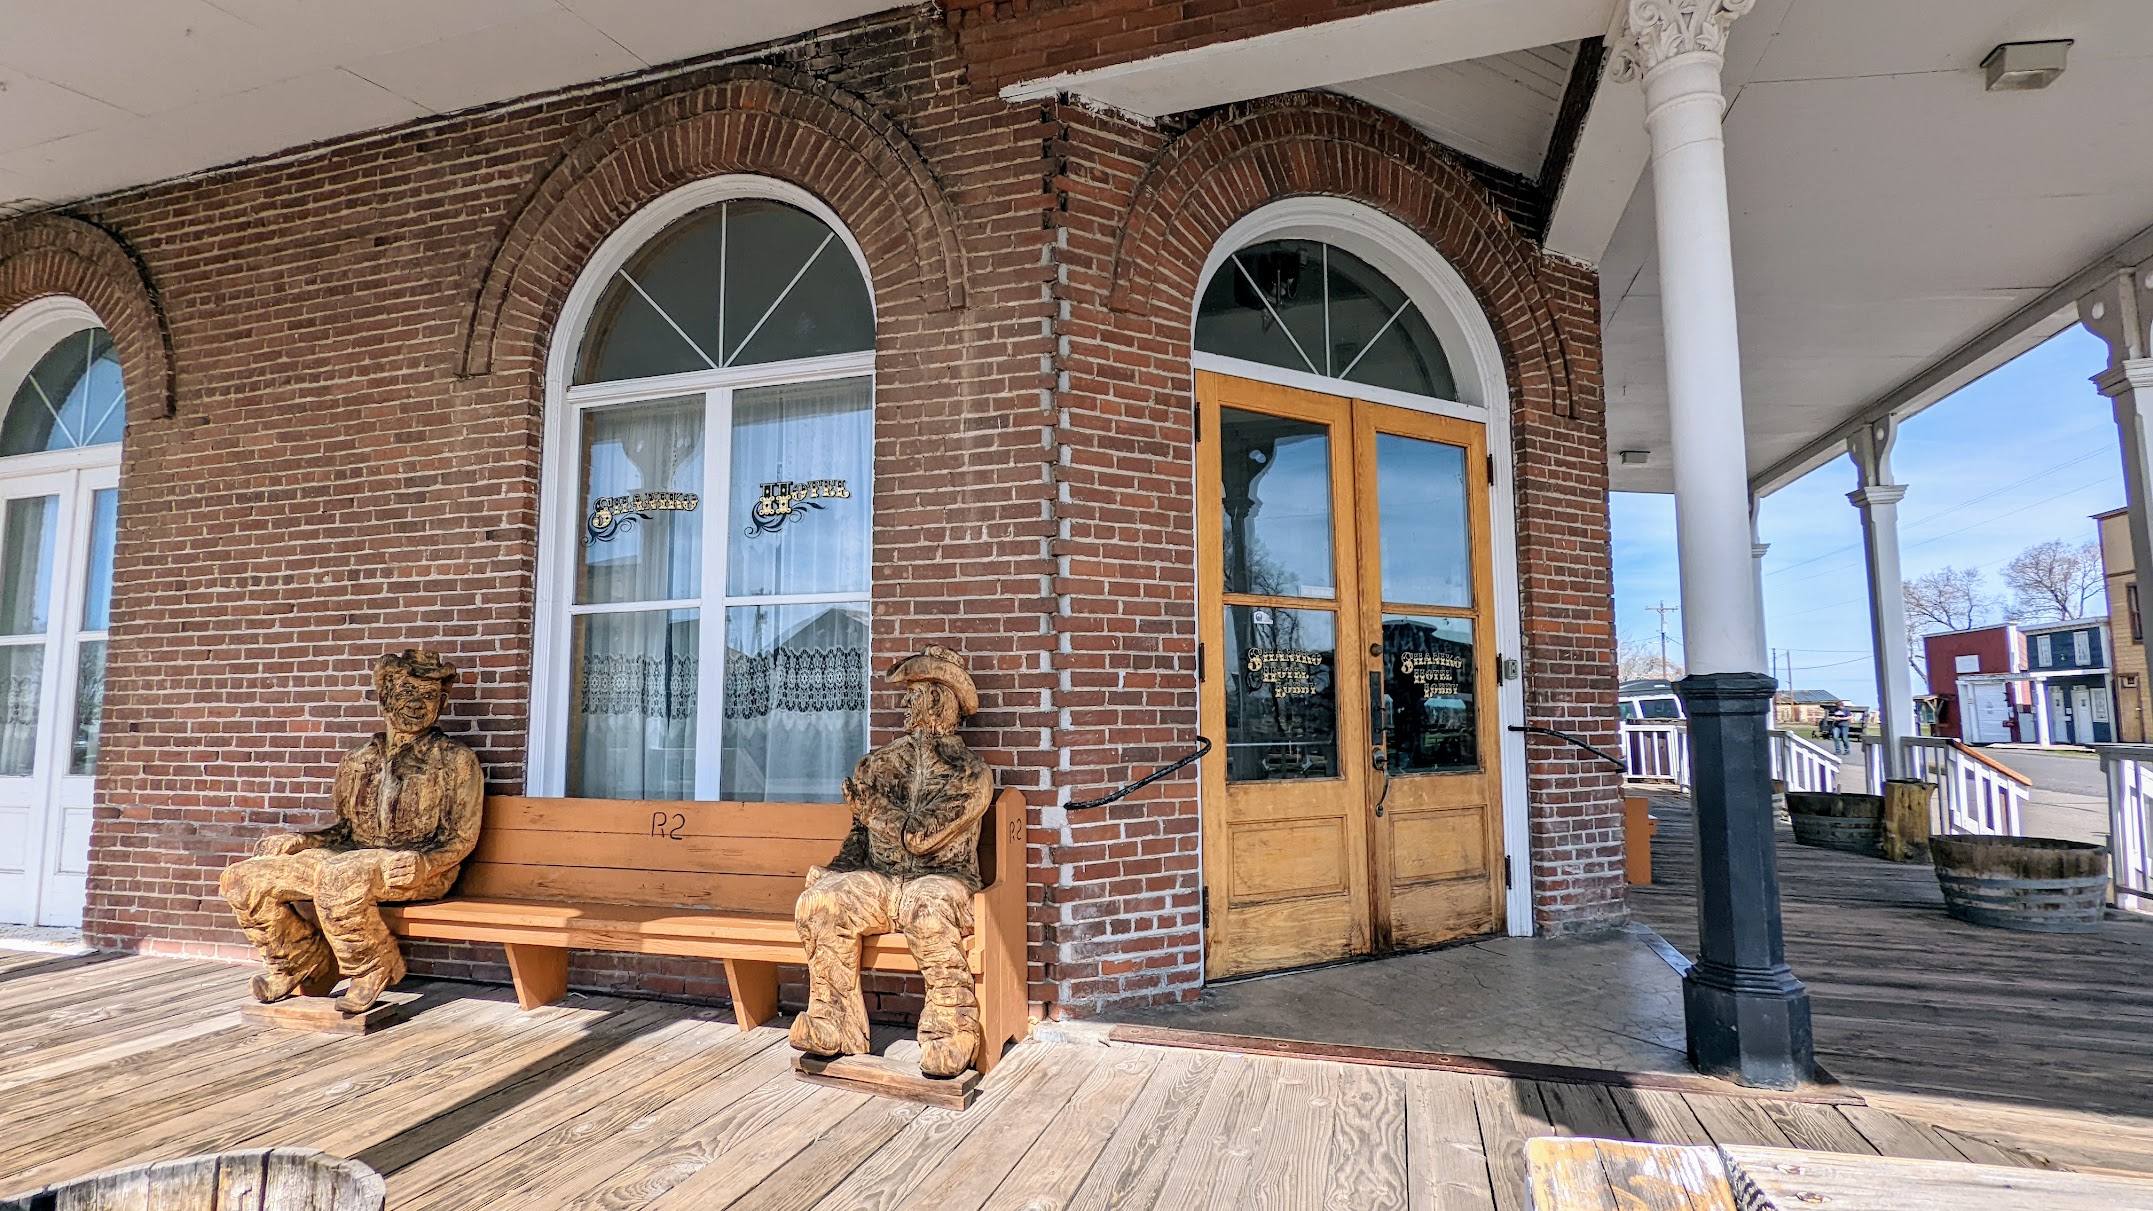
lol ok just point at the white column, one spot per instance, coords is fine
(2040, 712)
(1878, 499)
(1676, 47)
(1757, 549)
(2118, 313)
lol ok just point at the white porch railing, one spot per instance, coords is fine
(1975, 794)
(1804, 765)
(2130, 822)
(1656, 751)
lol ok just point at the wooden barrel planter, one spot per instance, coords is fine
(261, 1179)
(1849, 822)
(2030, 883)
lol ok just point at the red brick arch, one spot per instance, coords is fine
(1249, 155)
(51, 255)
(763, 120)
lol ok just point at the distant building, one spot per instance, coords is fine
(2039, 684)
(2067, 662)
(1973, 680)
(1802, 706)
(2128, 663)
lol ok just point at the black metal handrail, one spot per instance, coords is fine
(1203, 746)
(1618, 762)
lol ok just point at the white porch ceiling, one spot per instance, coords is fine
(1500, 108)
(97, 95)
(1888, 211)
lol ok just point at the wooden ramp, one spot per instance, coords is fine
(628, 1104)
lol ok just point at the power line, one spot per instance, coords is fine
(1964, 504)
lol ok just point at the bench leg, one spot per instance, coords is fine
(754, 991)
(540, 972)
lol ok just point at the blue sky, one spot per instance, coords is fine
(2022, 456)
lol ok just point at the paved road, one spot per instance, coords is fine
(2070, 797)
(2065, 770)
(2069, 800)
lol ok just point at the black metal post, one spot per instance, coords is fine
(1748, 1017)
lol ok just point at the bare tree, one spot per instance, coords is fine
(2054, 580)
(1638, 659)
(1948, 599)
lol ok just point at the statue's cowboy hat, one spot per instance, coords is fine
(421, 663)
(943, 667)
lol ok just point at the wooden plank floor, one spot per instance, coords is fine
(2042, 1041)
(620, 1104)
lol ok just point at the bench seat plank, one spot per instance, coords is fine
(636, 929)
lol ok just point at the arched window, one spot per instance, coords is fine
(73, 397)
(1310, 306)
(738, 284)
(713, 633)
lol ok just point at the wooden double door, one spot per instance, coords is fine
(1352, 801)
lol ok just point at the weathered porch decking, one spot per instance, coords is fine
(2040, 1041)
(624, 1104)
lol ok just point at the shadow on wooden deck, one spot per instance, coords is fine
(2041, 1040)
(627, 1105)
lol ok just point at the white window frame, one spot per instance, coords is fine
(27, 334)
(560, 524)
(1449, 306)
(2081, 649)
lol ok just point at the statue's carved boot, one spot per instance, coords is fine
(949, 1037)
(366, 987)
(835, 1021)
(307, 967)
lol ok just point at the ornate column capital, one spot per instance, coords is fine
(1877, 494)
(1654, 31)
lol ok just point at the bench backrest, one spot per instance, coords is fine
(743, 857)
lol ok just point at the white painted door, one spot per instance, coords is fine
(56, 531)
(2081, 715)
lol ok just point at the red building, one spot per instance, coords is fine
(1971, 671)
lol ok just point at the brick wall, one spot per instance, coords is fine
(354, 342)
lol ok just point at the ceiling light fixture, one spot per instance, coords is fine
(2024, 66)
(1634, 458)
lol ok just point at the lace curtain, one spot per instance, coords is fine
(633, 718)
(795, 701)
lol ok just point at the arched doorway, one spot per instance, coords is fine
(66, 410)
(707, 507)
(1358, 612)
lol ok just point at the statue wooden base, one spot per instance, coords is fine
(320, 1015)
(894, 1075)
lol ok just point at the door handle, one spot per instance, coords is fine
(1378, 719)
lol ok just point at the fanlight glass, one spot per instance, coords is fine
(73, 397)
(1306, 305)
(735, 284)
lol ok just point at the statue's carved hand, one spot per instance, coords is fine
(401, 866)
(276, 845)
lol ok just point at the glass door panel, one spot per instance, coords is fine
(29, 528)
(44, 815)
(1275, 506)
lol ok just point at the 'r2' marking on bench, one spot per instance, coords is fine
(668, 825)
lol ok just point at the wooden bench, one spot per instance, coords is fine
(699, 880)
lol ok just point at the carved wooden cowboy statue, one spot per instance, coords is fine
(407, 805)
(910, 864)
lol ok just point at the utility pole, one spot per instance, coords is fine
(1663, 610)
